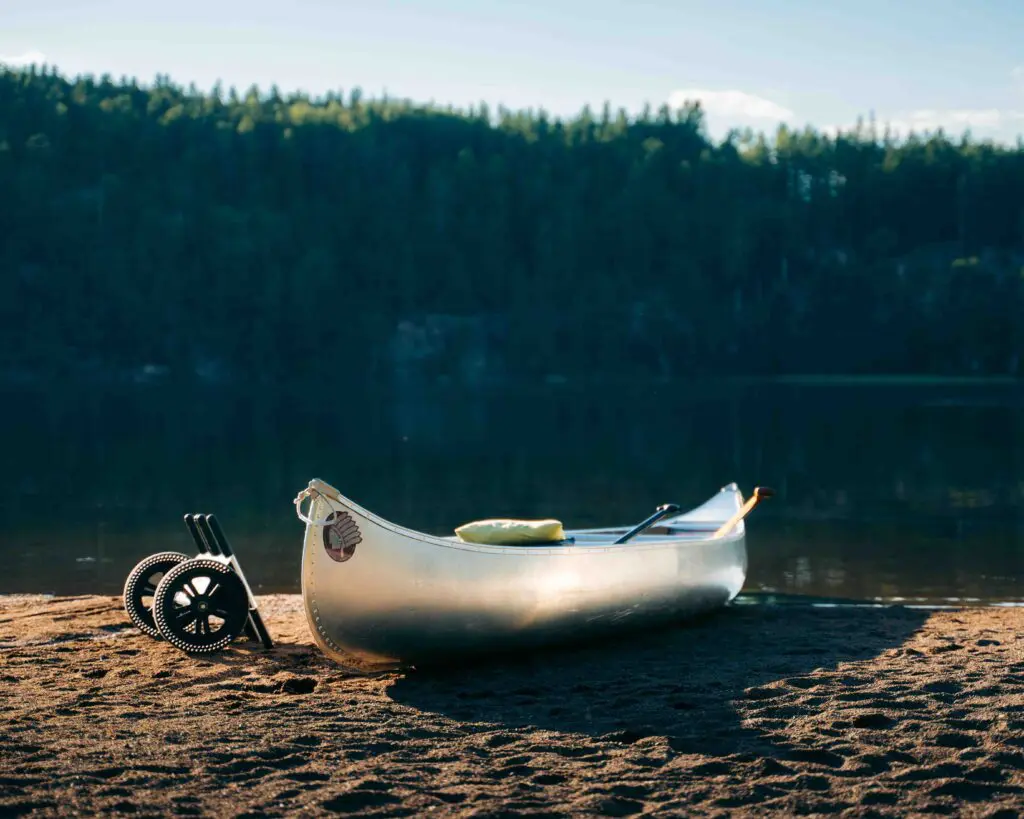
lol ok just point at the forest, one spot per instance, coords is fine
(158, 231)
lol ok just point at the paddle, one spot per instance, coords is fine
(760, 492)
(662, 511)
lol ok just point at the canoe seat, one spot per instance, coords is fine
(512, 532)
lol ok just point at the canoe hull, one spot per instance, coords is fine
(379, 596)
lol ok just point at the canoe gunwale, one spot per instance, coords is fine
(642, 543)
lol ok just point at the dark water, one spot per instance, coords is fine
(884, 492)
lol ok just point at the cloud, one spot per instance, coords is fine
(730, 104)
(930, 120)
(28, 58)
(957, 120)
(952, 121)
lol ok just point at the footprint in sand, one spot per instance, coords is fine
(817, 756)
(880, 798)
(874, 721)
(973, 791)
(954, 739)
(359, 800)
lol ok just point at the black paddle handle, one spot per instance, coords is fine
(662, 511)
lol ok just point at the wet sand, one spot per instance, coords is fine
(755, 710)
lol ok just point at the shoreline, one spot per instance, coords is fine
(764, 598)
(779, 710)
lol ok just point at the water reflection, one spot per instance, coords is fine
(883, 492)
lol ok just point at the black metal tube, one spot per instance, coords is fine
(197, 535)
(662, 511)
(202, 521)
(222, 541)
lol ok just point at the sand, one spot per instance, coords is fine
(757, 710)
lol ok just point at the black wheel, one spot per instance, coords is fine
(141, 585)
(200, 606)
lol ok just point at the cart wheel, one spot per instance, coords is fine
(141, 585)
(200, 606)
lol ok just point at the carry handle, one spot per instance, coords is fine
(310, 493)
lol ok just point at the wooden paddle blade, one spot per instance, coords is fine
(760, 493)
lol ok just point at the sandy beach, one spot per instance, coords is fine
(761, 710)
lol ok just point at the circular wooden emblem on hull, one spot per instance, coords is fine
(341, 536)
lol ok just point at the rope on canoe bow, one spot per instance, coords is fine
(311, 494)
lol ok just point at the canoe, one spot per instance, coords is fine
(378, 595)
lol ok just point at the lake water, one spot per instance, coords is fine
(884, 492)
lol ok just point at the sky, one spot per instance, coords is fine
(919, 64)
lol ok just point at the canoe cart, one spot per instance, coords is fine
(197, 604)
(378, 596)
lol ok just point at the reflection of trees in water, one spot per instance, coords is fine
(909, 559)
(877, 491)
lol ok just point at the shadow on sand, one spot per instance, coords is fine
(707, 687)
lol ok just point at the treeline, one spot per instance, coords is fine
(277, 236)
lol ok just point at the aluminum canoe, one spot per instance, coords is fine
(378, 595)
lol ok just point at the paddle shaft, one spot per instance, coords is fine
(660, 512)
(760, 492)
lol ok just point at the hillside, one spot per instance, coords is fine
(159, 230)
